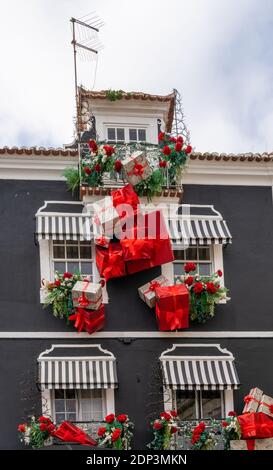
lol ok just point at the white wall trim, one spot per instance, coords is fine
(35, 167)
(133, 334)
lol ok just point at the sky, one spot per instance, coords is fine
(217, 53)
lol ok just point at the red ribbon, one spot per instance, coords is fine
(102, 241)
(125, 195)
(250, 443)
(83, 300)
(137, 170)
(68, 432)
(87, 320)
(255, 425)
(270, 407)
(152, 287)
(172, 307)
(249, 398)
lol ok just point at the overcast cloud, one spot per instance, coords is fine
(217, 53)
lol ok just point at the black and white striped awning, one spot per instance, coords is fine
(199, 373)
(77, 372)
(54, 223)
(198, 225)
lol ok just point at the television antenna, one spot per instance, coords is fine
(86, 46)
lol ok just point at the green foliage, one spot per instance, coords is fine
(59, 295)
(114, 95)
(72, 176)
(151, 186)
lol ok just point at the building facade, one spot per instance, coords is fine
(132, 367)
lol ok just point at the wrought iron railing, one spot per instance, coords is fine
(182, 439)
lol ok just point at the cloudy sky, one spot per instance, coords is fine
(217, 53)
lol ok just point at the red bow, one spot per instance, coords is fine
(152, 287)
(138, 169)
(249, 398)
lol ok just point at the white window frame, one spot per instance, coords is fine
(126, 128)
(68, 260)
(198, 403)
(196, 261)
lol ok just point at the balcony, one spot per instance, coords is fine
(182, 439)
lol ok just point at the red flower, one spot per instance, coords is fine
(67, 275)
(109, 150)
(189, 280)
(97, 167)
(162, 164)
(57, 283)
(172, 139)
(180, 139)
(122, 418)
(166, 150)
(211, 287)
(93, 146)
(189, 267)
(110, 418)
(198, 288)
(101, 431)
(174, 429)
(161, 135)
(202, 426)
(118, 165)
(43, 427)
(232, 413)
(44, 419)
(174, 413)
(116, 434)
(178, 147)
(224, 424)
(102, 282)
(51, 428)
(87, 170)
(188, 149)
(219, 273)
(22, 428)
(165, 416)
(157, 425)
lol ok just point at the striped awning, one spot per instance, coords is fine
(63, 227)
(187, 373)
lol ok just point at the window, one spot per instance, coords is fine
(200, 255)
(79, 405)
(72, 256)
(119, 135)
(199, 404)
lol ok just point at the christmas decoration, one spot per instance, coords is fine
(37, 432)
(147, 292)
(116, 432)
(68, 432)
(87, 295)
(172, 307)
(255, 425)
(89, 320)
(205, 293)
(59, 293)
(136, 168)
(231, 429)
(266, 405)
(164, 429)
(252, 400)
(202, 439)
(252, 444)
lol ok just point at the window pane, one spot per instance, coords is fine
(111, 133)
(141, 135)
(86, 268)
(211, 403)
(71, 406)
(191, 253)
(204, 253)
(204, 269)
(185, 400)
(178, 269)
(92, 405)
(72, 252)
(59, 394)
(58, 251)
(59, 267)
(59, 406)
(71, 416)
(60, 417)
(132, 134)
(73, 267)
(70, 394)
(120, 134)
(179, 254)
(85, 251)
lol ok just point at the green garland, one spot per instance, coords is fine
(114, 95)
(59, 294)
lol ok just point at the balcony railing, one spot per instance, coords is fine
(182, 439)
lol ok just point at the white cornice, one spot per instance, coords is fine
(35, 167)
(134, 334)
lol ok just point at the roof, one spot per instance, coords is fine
(134, 95)
(210, 156)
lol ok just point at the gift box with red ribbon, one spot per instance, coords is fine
(255, 425)
(86, 294)
(136, 168)
(252, 400)
(252, 444)
(106, 217)
(172, 307)
(147, 292)
(89, 320)
(266, 405)
(110, 261)
(68, 432)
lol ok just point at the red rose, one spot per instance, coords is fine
(161, 135)
(224, 424)
(101, 431)
(211, 287)
(180, 139)
(116, 434)
(97, 167)
(174, 413)
(102, 282)
(110, 418)
(109, 150)
(178, 147)
(166, 150)
(118, 165)
(122, 418)
(51, 428)
(162, 164)
(172, 139)
(198, 288)
(57, 283)
(87, 170)
(22, 428)
(202, 426)
(188, 149)
(219, 273)
(157, 425)
(44, 419)
(174, 429)
(67, 275)
(232, 413)
(165, 416)
(189, 280)
(93, 146)
(43, 427)
(189, 267)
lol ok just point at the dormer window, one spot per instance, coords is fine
(128, 134)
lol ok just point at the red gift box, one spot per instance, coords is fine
(125, 195)
(255, 425)
(68, 432)
(89, 320)
(110, 262)
(137, 249)
(172, 307)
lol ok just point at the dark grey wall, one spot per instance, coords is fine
(139, 393)
(248, 262)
